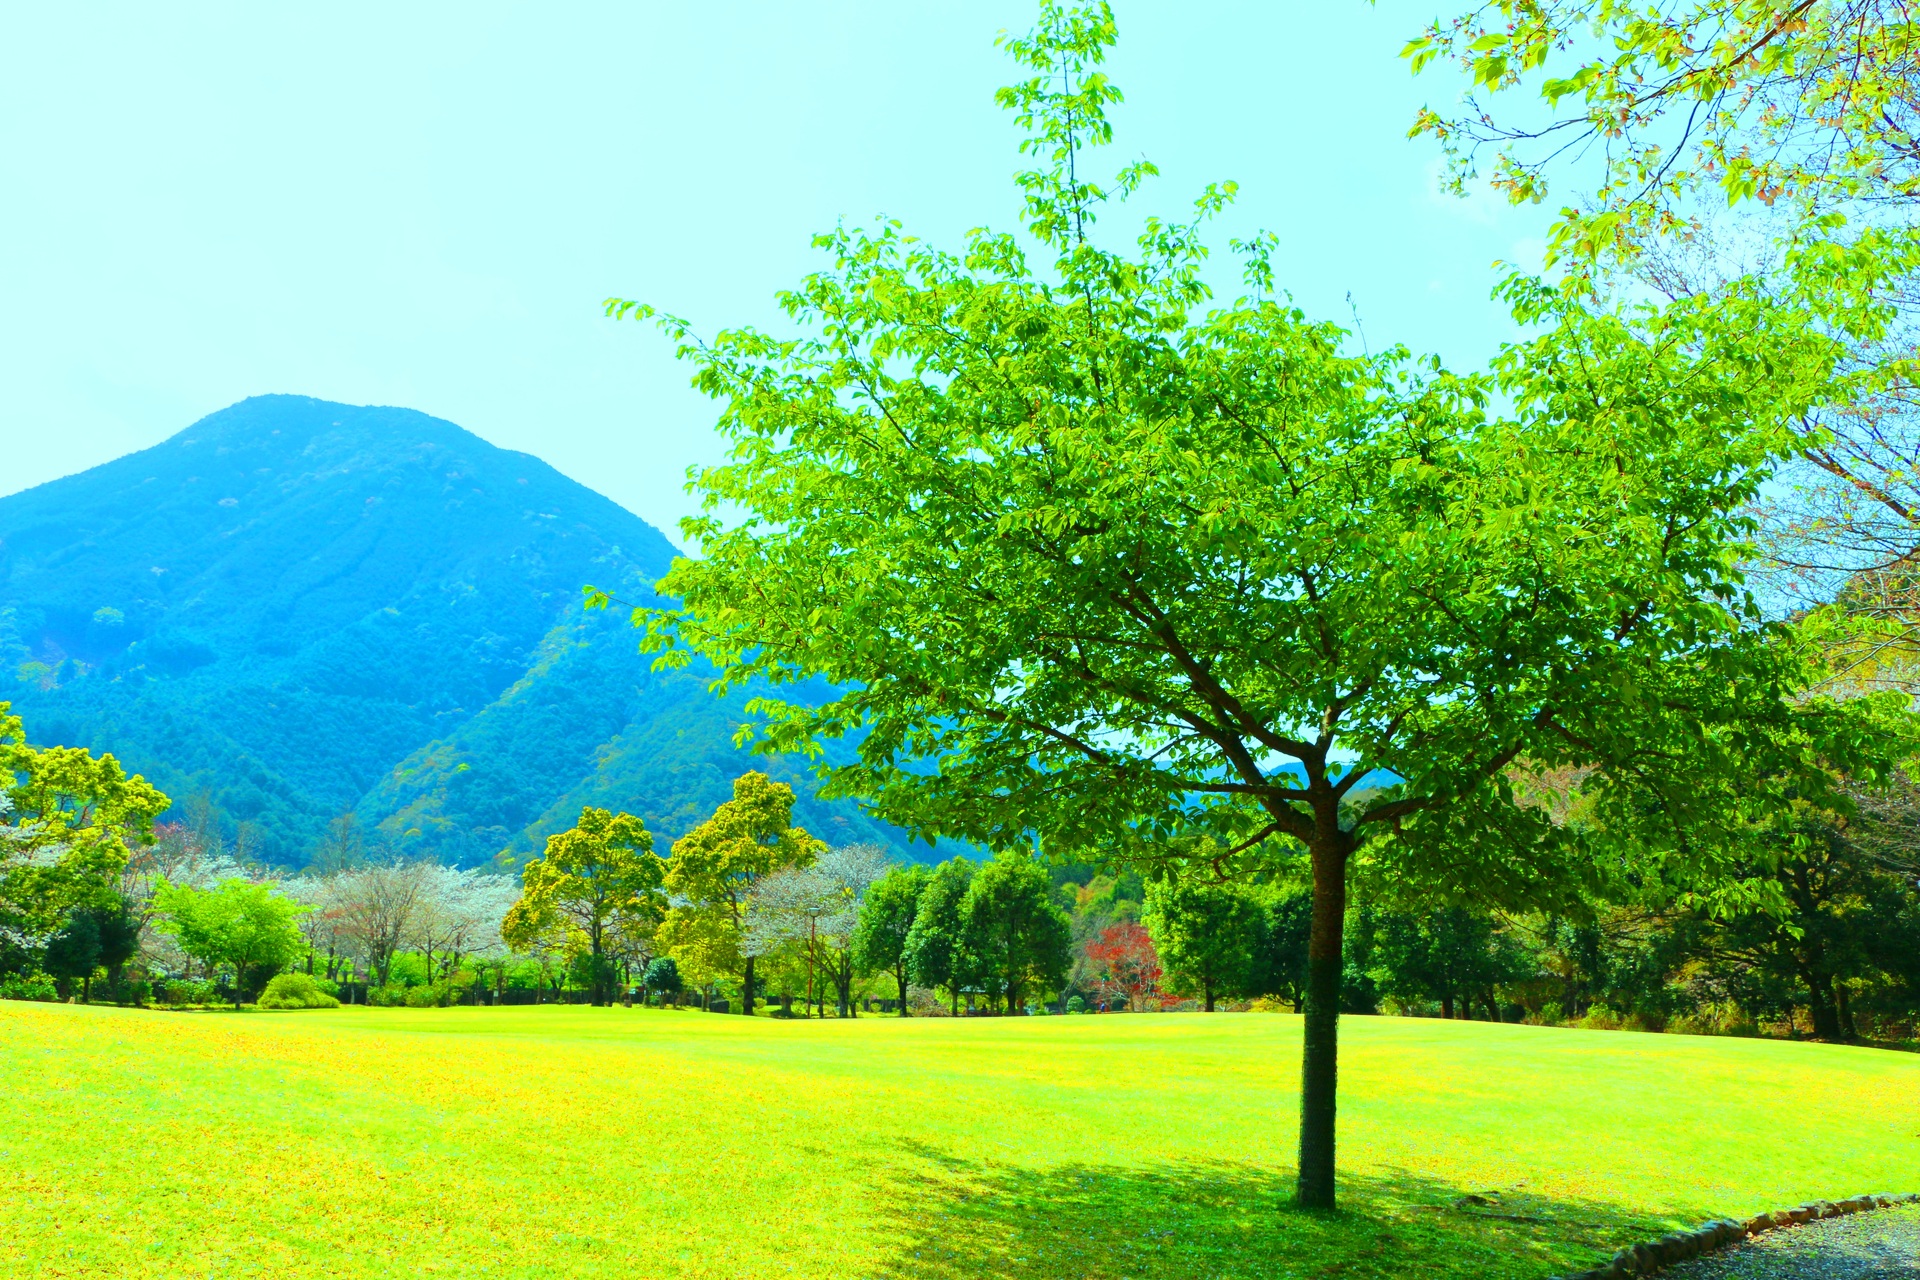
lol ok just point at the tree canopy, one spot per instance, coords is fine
(597, 878)
(886, 921)
(236, 923)
(67, 819)
(1667, 102)
(715, 867)
(1101, 572)
(1207, 936)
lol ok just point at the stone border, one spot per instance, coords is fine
(1678, 1246)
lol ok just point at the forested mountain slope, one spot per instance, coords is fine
(302, 608)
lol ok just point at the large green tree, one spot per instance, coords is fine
(237, 923)
(67, 821)
(1017, 936)
(1208, 936)
(935, 947)
(886, 920)
(716, 866)
(1100, 571)
(601, 879)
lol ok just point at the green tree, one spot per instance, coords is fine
(886, 921)
(66, 820)
(1451, 956)
(600, 878)
(119, 935)
(1726, 100)
(716, 865)
(238, 923)
(1208, 936)
(1280, 952)
(1712, 137)
(936, 953)
(1017, 936)
(1841, 889)
(74, 952)
(662, 976)
(1105, 574)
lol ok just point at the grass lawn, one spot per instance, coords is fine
(573, 1142)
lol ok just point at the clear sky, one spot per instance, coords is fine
(424, 205)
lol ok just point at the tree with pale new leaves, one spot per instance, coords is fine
(801, 909)
(1691, 141)
(594, 880)
(247, 927)
(461, 914)
(716, 869)
(1102, 569)
(375, 906)
(69, 822)
(853, 870)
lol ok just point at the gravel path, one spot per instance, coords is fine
(1881, 1244)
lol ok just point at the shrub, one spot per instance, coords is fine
(1601, 1018)
(177, 992)
(296, 991)
(27, 986)
(1076, 1005)
(421, 997)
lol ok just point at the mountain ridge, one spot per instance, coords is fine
(298, 608)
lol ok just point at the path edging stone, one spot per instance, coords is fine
(1710, 1237)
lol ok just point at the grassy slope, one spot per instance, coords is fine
(578, 1142)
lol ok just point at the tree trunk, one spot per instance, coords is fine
(1847, 1026)
(746, 989)
(1446, 1005)
(1319, 1057)
(900, 976)
(1825, 1013)
(1208, 992)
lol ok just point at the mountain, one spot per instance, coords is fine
(295, 609)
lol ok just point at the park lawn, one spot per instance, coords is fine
(575, 1142)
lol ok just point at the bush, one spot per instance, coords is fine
(422, 997)
(178, 993)
(1076, 1005)
(27, 986)
(295, 991)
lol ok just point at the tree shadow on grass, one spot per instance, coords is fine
(1222, 1221)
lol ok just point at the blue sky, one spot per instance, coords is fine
(424, 204)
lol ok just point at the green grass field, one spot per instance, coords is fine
(641, 1143)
